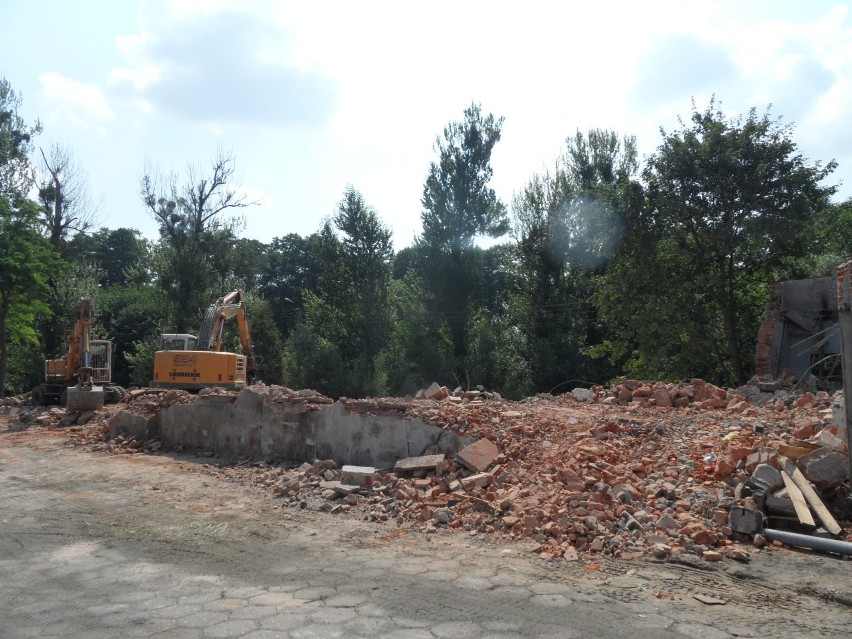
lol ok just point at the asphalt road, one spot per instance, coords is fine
(94, 546)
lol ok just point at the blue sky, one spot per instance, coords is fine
(311, 97)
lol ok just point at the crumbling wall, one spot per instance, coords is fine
(250, 425)
(798, 310)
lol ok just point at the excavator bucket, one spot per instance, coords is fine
(81, 399)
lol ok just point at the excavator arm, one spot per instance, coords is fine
(212, 326)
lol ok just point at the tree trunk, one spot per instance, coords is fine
(729, 316)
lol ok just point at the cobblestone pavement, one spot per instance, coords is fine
(97, 546)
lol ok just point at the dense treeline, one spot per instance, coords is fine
(600, 266)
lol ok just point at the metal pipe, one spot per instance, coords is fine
(809, 541)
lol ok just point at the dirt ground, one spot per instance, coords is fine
(60, 504)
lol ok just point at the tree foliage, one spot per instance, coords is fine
(459, 205)
(729, 209)
(27, 263)
(192, 219)
(568, 224)
(16, 172)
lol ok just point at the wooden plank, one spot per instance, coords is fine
(798, 499)
(810, 495)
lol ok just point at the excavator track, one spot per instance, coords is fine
(82, 399)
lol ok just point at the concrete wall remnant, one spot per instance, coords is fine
(250, 425)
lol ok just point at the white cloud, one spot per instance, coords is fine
(82, 105)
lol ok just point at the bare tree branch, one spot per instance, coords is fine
(65, 196)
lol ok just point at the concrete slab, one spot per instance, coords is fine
(479, 456)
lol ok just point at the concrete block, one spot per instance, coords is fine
(357, 475)
(479, 456)
(745, 520)
(424, 462)
(584, 395)
(780, 505)
(769, 475)
(824, 467)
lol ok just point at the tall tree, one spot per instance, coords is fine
(16, 173)
(27, 263)
(351, 309)
(65, 197)
(568, 225)
(367, 254)
(458, 206)
(730, 207)
(192, 217)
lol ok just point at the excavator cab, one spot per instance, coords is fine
(178, 342)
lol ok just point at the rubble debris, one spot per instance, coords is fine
(810, 495)
(745, 521)
(619, 474)
(823, 467)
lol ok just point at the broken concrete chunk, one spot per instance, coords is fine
(745, 521)
(824, 467)
(479, 456)
(344, 490)
(424, 462)
(436, 392)
(357, 475)
(667, 522)
(769, 475)
(480, 480)
(584, 395)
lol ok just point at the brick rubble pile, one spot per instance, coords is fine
(625, 471)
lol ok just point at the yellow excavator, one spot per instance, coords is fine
(82, 379)
(192, 363)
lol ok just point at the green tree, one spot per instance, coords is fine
(731, 203)
(27, 263)
(350, 309)
(420, 348)
(290, 270)
(16, 173)
(832, 233)
(458, 206)
(122, 255)
(192, 220)
(568, 224)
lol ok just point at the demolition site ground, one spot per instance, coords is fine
(592, 517)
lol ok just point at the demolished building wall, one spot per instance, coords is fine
(795, 335)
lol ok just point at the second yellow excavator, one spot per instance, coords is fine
(192, 363)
